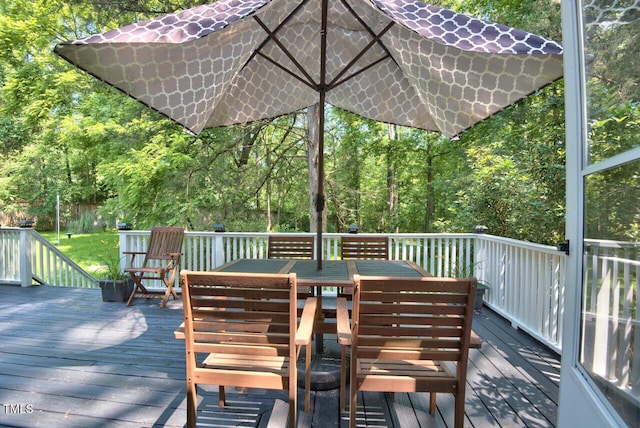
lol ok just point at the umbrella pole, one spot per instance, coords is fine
(320, 211)
(320, 194)
(322, 90)
(320, 198)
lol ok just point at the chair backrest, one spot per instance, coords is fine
(164, 243)
(365, 247)
(413, 318)
(240, 313)
(290, 247)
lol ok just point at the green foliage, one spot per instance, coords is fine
(64, 133)
(612, 195)
(85, 224)
(110, 268)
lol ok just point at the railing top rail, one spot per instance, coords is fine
(328, 234)
(522, 244)
(612, 244)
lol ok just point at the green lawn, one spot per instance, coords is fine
(90, 250)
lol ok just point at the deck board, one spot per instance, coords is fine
(78, 362)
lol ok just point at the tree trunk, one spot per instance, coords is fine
(431, 198)
(312, 160)
(269, 213)
(392, 182)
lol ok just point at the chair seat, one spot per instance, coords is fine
(146, 270)
(232, 368)
(277, 364)
(153, 270)
(406, 375)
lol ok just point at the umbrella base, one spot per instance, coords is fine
(325, 367)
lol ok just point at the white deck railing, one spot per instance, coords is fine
(611, 322)
(440, 254)
(526, 280)
(26, 257)
(527, 284)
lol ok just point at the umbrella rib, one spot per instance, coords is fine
(323, 46)
(282, 24)
(376, 39)
(271, 35)
(335, 84)
(311, 84)
(369, 30)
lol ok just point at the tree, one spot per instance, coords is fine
(63, 132)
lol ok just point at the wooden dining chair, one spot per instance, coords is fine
(356, 247)
(404, 334)
(290, 247)
(242, 329)
(161, 262)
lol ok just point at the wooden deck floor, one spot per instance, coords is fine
(68, 359)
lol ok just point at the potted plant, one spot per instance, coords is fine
(116, 286)
(482, 287)
(466, 272)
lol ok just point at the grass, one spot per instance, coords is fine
(89, 250)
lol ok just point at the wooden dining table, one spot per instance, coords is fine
(334, 273)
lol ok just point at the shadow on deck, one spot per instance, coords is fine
(68, 359)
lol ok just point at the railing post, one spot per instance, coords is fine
(122, 246)
(480, 255)
(25, 258)
(218, 250)
(4, 251)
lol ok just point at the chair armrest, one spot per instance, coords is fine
(474, 341)
(342, 322)
(178, 333)
(133, 252)
(174, 255)
(305, 329)
(279, 415)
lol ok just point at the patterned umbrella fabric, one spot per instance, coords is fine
(395, 61)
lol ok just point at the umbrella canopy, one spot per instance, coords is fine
(397, 61)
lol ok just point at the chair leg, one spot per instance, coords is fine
(222, 396)
(307, 379)
(293, 401)
(137, 285)
(343, 378)
(353, 404)
(353, 395)
(458, 414)
(432, 403)
(168, 292)
(192, 404)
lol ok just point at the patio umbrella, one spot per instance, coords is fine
(397, 61)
